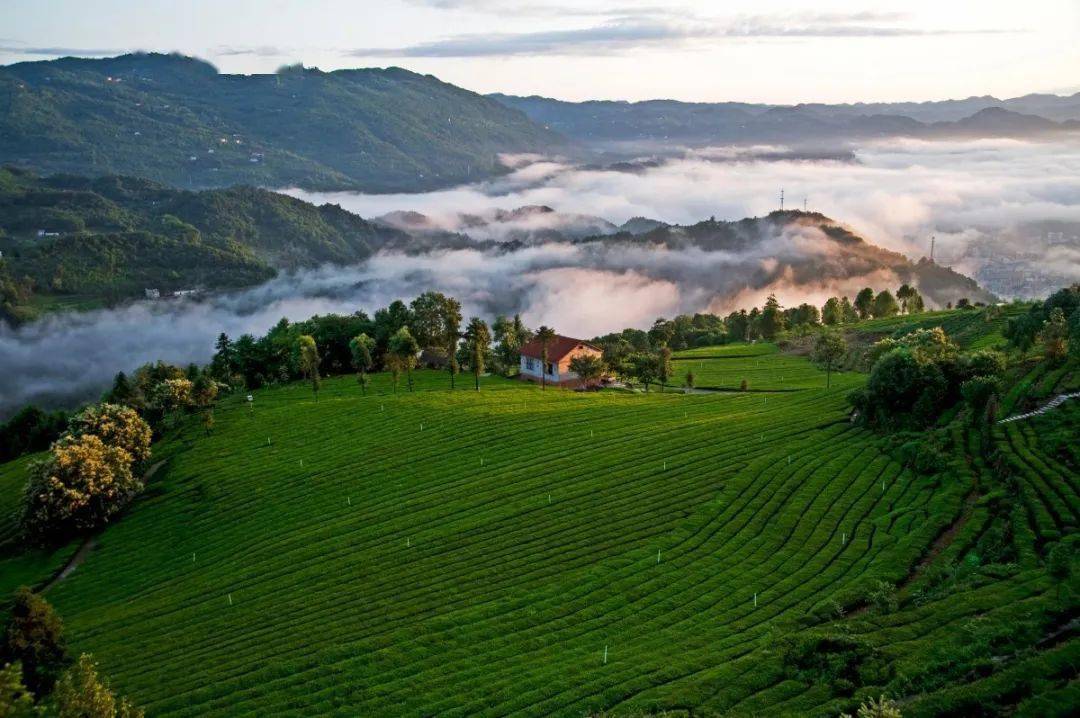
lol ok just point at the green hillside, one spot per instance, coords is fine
(70, 240)
(175, 119)
(523, 552)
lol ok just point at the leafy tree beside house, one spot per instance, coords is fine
(589, 367)
(509, 336)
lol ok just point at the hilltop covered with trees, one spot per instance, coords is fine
(175, 119)
(113, 237)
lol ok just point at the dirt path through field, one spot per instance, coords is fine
(89, 542)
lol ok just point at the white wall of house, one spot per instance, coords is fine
(530, 366)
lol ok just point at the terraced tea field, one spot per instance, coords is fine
(527, 552)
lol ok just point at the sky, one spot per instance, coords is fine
(776, 51)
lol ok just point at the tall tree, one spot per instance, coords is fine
(1055, 336)
(644, 368)
(309, 361)
(829, 349)
(387, 322)
(401, 351)
(35, 638)
(847, 312)
(831, 314)
(451, 334)
(885, 305)
(478, 342)
(223, 365)
(910, 299)
(864, 302)
(663, 366)
(509, 335)
(545, 335)
(772, 318)
(360, 347)
(426, 320)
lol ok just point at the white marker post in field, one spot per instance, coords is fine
(605, 655)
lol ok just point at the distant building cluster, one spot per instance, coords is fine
(153, 293)
(1020, 268)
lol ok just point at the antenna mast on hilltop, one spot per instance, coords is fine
(932, 238)
(804, 203)
(781, 199)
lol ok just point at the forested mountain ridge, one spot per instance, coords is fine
(794, 248)
(175, 119)
(700, 123)
(112, 237)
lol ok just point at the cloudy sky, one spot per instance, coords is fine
(753, 50)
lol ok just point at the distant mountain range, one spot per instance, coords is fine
(176, 120)
(694, 123)
(65, 238)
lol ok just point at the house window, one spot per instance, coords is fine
(530, 363)
(551, 368)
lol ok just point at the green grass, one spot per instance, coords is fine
(474, 553)
(761, 365)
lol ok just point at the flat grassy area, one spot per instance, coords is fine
(524, 552)
(763, 367)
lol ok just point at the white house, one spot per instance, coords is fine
(560, 351)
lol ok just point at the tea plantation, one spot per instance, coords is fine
(516, 551)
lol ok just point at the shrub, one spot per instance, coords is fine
(118, 426)
(985, 362)
(881, 708)
(882, 597)
(82, 693)
(15, 700)
(903, 389)
(843, 662)
(78, 487)
(977, 392)
(30, 430)
(35, 638)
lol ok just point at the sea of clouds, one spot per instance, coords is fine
(896, 194)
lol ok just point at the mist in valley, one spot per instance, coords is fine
(895, 194)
